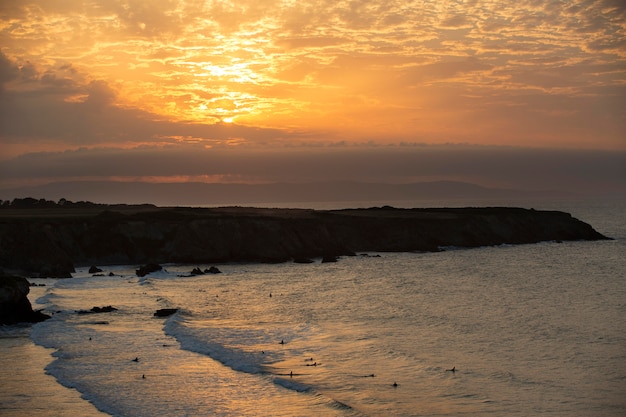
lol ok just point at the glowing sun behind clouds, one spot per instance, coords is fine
(426, 71)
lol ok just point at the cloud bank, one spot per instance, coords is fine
(582, 172)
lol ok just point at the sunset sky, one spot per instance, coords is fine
(524, 93)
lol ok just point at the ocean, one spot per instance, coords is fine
(515, 330)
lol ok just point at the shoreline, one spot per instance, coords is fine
(29, 390)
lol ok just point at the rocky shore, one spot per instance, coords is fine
(51, 242)
(14, 304)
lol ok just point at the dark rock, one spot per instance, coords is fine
(329, 258)
(195, 272)
(212, 270)
(105, 309)
(14, 304)
(164, 312)
(303, 261)
(147, 269)
(94, 270)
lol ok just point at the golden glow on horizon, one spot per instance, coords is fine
(512, 72)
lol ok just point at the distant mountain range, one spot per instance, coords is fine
(211, 194)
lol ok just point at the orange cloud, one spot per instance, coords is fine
(515, 72)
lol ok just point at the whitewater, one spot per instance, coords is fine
(528, 329)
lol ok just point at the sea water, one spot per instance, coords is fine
(528, 329)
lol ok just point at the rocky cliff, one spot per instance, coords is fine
(14, 304)
(52, 242)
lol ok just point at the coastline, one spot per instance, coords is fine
(50, 242)
(67, 401)
(29, 390)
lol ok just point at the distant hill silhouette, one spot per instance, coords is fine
(196, 193)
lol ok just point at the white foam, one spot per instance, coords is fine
(203, 342)
(291, 384)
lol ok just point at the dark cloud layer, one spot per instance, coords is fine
(573, 171)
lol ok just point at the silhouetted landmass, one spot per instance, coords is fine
(29, 203)
(204, 194)
(51, 241)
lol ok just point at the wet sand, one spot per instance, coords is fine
(27, 390)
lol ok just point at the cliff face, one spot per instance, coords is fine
(51, 245)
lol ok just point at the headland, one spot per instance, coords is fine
(52, 241)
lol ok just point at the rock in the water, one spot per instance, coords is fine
(94, 270)
(146, 269)
(303, 261)
(329, 258)
(105, 309)
(14, 304)
(197, 271)
(164, 312)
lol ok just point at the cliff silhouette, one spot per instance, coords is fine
(52, 241)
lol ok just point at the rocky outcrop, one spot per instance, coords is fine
(165, 312)
(51, 246)
(14, 304)
(148, 269)
(96, 309)
(197, 271)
